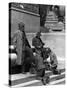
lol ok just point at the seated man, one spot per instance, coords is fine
(44, 53)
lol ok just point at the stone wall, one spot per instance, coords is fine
(31, 21)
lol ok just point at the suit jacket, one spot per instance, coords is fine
(37, 42)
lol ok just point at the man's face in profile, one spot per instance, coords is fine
(39, 35)
(21, 27)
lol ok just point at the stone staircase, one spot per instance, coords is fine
(52, 22)
(28, 79)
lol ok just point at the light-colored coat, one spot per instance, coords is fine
(18, 43)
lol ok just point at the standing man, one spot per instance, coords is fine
(18, 43)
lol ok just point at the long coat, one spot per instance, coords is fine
(18, 42)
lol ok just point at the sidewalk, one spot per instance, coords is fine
(61, 62)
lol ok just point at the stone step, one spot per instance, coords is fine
(20, 80)
(51, 21)
(51, 17)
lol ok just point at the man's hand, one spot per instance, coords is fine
(43, 44)
(34, 54)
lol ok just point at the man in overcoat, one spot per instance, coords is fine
(17, 41)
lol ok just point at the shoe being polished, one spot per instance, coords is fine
(56, 71)
(45, 80)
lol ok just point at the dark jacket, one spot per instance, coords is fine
(39, 62)
(37, 42)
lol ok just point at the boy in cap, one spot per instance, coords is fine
(53, 63)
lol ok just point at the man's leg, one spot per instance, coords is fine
(41, 72)
(45, 79)
(47, 65)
